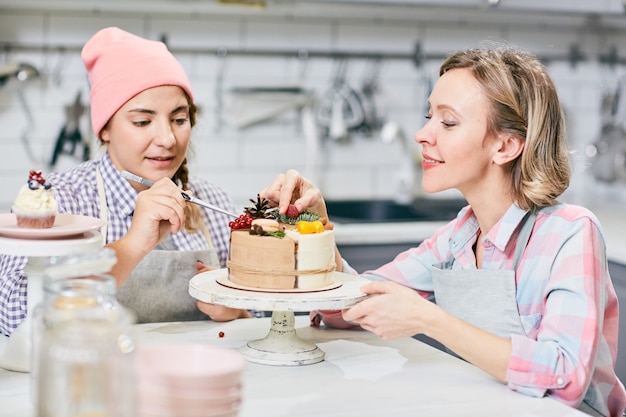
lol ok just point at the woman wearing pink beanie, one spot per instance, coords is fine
(142, 112)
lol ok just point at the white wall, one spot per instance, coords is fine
(243, 161)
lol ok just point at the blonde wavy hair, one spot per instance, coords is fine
(524, 103)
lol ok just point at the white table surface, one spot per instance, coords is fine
(361, 376)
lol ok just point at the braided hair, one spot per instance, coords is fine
(193, 215)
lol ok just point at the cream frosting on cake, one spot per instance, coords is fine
(35, 205)
(295, 261)
(293, 251)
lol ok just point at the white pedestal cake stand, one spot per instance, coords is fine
(17, 355)
(281, 346)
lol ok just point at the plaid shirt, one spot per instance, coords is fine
(565, 297)
(76, 192)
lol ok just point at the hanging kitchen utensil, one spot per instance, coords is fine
(608, 151)
(339, 109)
(22, 72)
(248, 106)
(608, 155)
(369, 87)
(337, 129)
(19, 71)
(219, 88)
(70, 138)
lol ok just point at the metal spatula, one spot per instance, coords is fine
(191, 199)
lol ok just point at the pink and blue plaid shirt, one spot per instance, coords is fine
(565, 298)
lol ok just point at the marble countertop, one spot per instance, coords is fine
(613, 221)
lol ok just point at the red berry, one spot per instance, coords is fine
(292, 211)
(221, 334)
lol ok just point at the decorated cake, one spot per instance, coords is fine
(35, 206)
(293, 251)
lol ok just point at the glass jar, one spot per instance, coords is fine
(76, 288)
(86, 370)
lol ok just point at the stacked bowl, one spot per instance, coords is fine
(188, 380)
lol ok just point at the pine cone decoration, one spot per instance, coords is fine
(259, 209)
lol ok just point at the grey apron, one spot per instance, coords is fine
(483, 297)
(487, 298)
(158, 288)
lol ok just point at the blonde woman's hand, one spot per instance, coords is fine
(392, 311)
(292, 188)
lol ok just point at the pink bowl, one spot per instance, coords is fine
(182, 409)
(190, 364)
(183, 413)
(175, 399)
(152, 389)
(180, 404)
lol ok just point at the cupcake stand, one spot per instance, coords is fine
(70, 235)
(281, 346)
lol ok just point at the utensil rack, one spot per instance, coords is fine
(573, 55)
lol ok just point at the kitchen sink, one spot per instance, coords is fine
(370, 211)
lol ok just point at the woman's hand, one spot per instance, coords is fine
(392, 311)
(159, 211)
(293, 188)
(221, 313)
(215, 312)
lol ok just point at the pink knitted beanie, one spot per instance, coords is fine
(121, 65)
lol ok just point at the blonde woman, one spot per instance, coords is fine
(518, 283)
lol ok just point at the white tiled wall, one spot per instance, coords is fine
(243, 161)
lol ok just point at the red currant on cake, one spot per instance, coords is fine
(244, 221)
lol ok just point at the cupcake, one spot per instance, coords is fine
(35, 206)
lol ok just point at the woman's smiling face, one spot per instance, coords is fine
(455, 150)
(150, 133)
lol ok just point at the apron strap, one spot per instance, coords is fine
(523, 238)
(206, 232)
(104, 213)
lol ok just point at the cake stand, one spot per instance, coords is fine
(281, 346)
(39, 248)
